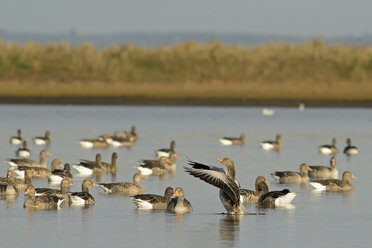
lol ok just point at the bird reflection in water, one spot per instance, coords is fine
(229, 228)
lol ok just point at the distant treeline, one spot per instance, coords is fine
(312, 61)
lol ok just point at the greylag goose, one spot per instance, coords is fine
(7, 185)
(151, 201)
(62, 193)
(292, 177)
(179, 205)
(165, 152)
(133, 134)
(17, 140)
(119, 140)
(349, 149)
(58, 175)
(87, 167)
(329, 149)
(41, 172)
(228, 141)
(153, 167)
(42, 140)
(21, 185)
(23, 152)
(335, 185)
(226, 181)
(101, 142)
(41, 202)
(83, 198)
(272, 145)
(276, 198)
(127, 188)
(323, 171)
(30, 162)
(247, 195)
(113, 167)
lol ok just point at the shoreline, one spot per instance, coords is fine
(145, 101)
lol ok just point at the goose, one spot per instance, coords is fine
(247, 195)
(112, 167)
(151, 201)
(17, 140)
(41, 172)
(21, 185)
(58, 175)
(87, 167)
(334, 185)
(291, 177)
(7, 185)
(276, 198)
(153, 167)
(83, 198)
(30, 162)
(349, 149)
(134, 188)
(272, 145)
(23, 152)
(228, 141)
(119, 141)
(165, 152)
(41, 202)
(100, 142)
(323, 171)
(42, 140)
(226, 181)
(329, 149)
(133, 134)
(60, 193)
(179, 205)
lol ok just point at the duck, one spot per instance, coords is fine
(349, 149)
(228, 141)
(153, 167)
(7, 186)
(23, 152)
(272, 145)
(292, 177)
(87, 167)
(334, 185)
(29, 162)
(100, 142)
(42, 140)
(83, 198)
(58, 175)
(165, 152)
(111, 167)
(276, 198)
(225, 181)
(179, 205)
(247, 195)
(41, 171)
(151, 201)
(329, 149)
(127, 188)
(60, 193)
(17, 140)
(323, 171)
(41, 202)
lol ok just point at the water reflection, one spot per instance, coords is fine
(9, 200)
(229, 228)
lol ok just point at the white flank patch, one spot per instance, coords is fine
(142, 204)
(76, 200)
(285, 199)
(318, 186)
(225, 142)
(144, 171)
(15, 141)
(325, 150)
(12, 164)
(24, 154)
(267, 146)
(20, 173)
(54, 179)
(267, 111)
(86, 144)
(107, 190)
(39, 142)
(162, 154)
(83, 170)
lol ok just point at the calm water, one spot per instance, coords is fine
(318, 220)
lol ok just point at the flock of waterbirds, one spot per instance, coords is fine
(232, 196)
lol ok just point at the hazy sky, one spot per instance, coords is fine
(294, 17)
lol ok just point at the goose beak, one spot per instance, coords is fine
(220, 159)
(143, 177)
(267, 181)
(48, 154)
(309, 169)
(352, 176)
(27, 191)
(175, 194)
(71, 184)
(95, 185)
(176, 156)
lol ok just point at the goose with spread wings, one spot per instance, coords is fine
(225, 181)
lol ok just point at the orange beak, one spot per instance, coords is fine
(48, 154)
(220, 159)
(267, 181)
(36, 174)
(95, 185)
(352, 176)
(309, 169)
(143, 177)
(27, 191)
(175, 194)
(71, 184)
(176, 156)
(62, 166)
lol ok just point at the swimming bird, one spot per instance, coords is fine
(87, 167)
(276, 198)
(165, 152)
(225, 181)
(23, 152)
(100, 142)
(179, 205)
(151, 201)
(329, 149)
(349, 149)
(60, 193)
(17, 140)
(153, 167)
(7, 185)
(30, 162)
(272, 145)
(323, 171)
(292, 177)
(247, 195)
(41, 202)
(45, 140)
(41, 171)
(228, 141)
(335, 185)
(111, 167)
(83, 198)
(58, 175)
(134, 188)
